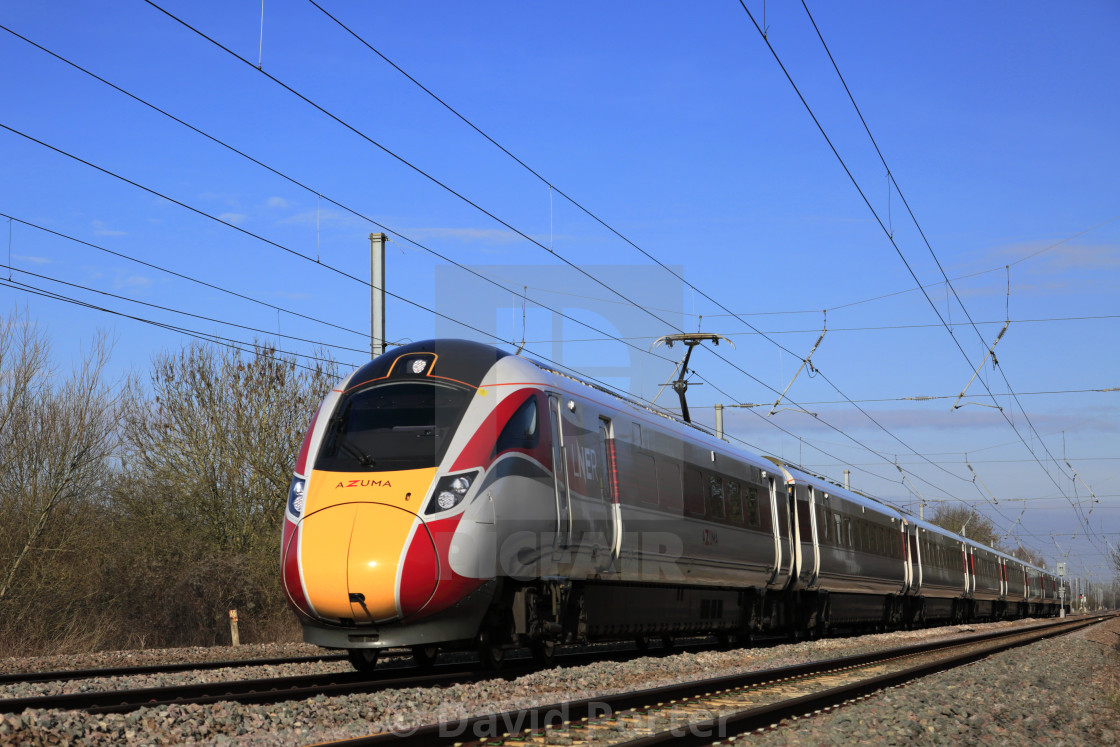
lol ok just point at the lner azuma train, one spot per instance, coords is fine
(449, 495)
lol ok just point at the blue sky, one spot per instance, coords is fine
(674, 124)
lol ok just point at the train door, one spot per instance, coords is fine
(969, 578)
(904, 555)
(916, 570)
(782, 525)
(583, 450)
(611, 489)
(808, 546)
(798, 529)
(560, 476)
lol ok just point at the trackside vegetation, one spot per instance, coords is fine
(136, 513)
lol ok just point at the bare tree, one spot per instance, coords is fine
(1032, 557)
(215, 442)
(967, 521)
(55, 439)
(209, 448)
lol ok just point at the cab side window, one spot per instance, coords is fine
(521, 431)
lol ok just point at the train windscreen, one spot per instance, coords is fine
(392, 426)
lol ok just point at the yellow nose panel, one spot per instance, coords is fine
(324, 547)
(376, 550)
(352, 541)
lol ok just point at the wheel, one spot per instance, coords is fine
(642, 642)
(544, 652)
(363, 659)
(491, 655)
(667, 641)
(425, 656)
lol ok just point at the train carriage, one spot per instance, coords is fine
(451, 495)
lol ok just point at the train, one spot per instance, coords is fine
(450, 495)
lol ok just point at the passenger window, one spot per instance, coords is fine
(847, 535)
(715, 497)
(521, 431)
(734, 502)
(753, 517)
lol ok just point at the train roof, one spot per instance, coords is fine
(798, 474)
(461, 361)
(467, 361)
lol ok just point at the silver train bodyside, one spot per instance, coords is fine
(592, 517)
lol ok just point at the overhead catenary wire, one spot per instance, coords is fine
(937, 261)
(182, 276)
(309, 189)
(245, 346)
(898, 251)
(913, 289)
(298, 254)
(580, 206)
(184, 313)
(241, 345)
(291, 180)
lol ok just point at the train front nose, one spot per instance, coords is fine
(368, 562)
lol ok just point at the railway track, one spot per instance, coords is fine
(261, 690)
(81, 674)
(276, 689)
(718, 709)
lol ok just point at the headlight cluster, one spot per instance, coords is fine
(450, 491)
(296, 495)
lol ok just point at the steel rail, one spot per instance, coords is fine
(80, 674)
(769, 716)
(531, 724)
(260, 690)
(300, 687)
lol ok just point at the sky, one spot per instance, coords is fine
(647, 168)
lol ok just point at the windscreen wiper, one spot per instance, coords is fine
(363, 458)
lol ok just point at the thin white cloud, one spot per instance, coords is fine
(227, 199)
(1084, 256)
(133, 281)
(33, 260)
(1046, 256)
(278, 203)
(100, 229)
(323, 218)
(233, 218)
